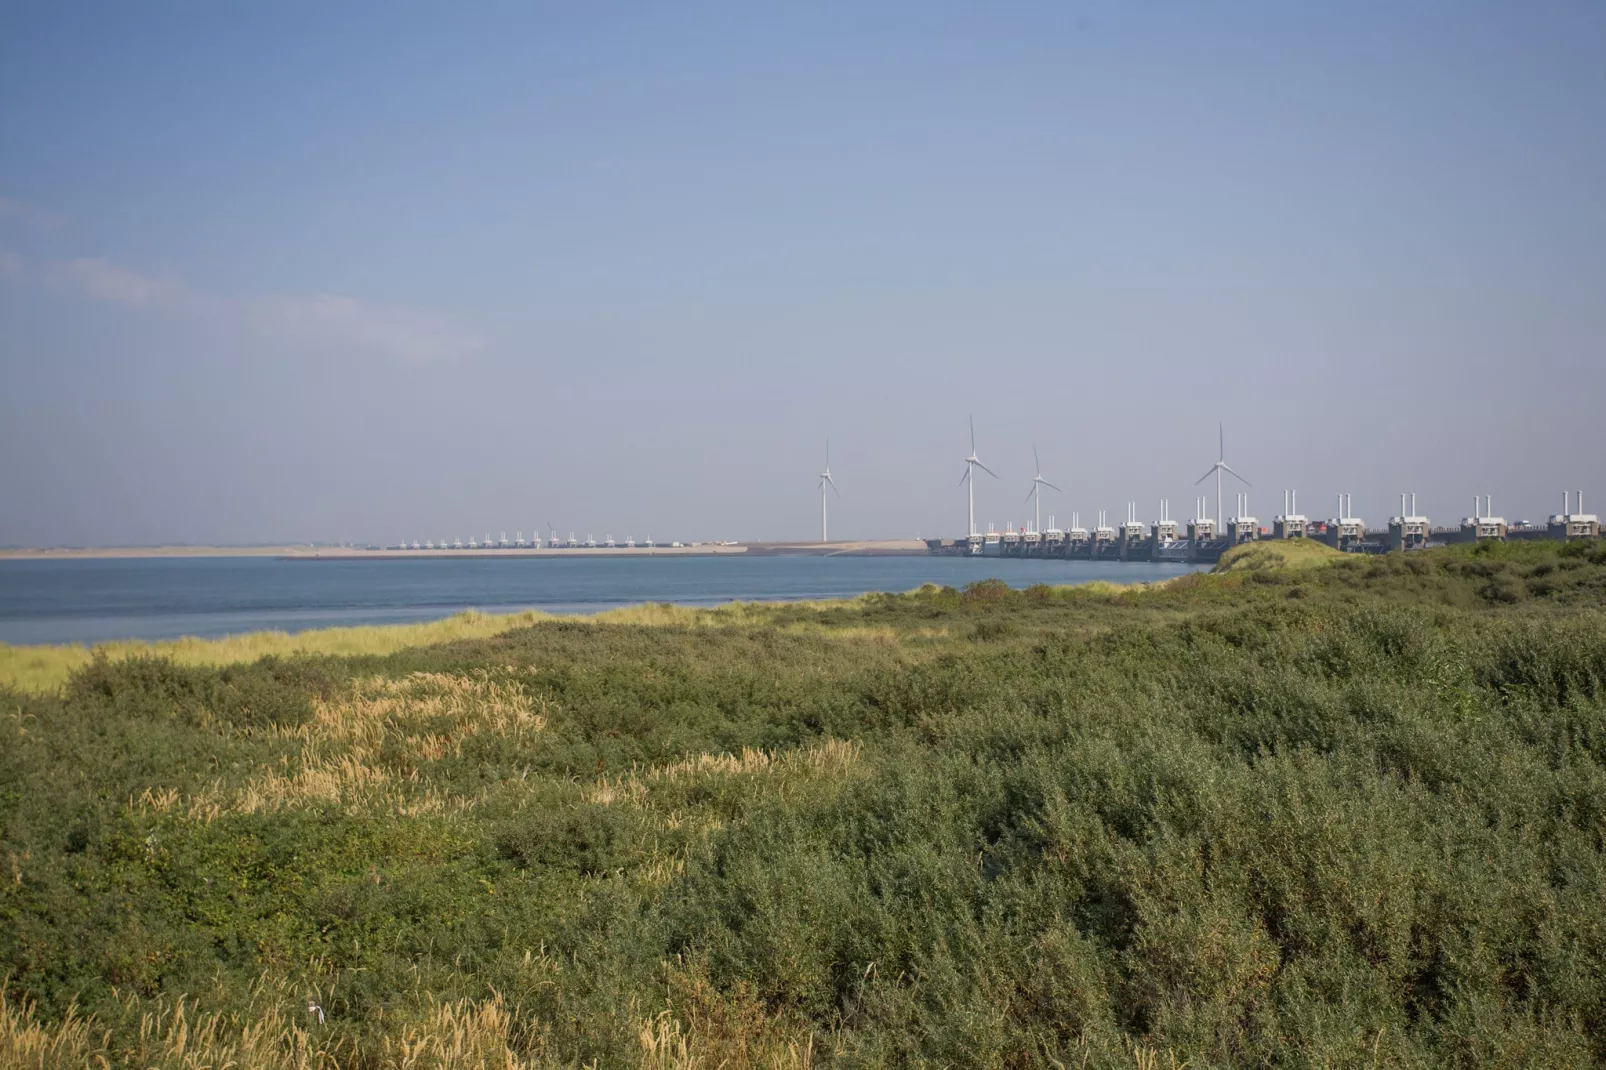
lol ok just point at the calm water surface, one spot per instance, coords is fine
(92, 601)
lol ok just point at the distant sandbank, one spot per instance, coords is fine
(312, 553)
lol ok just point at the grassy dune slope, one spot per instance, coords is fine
(1277, 553)
(1342, 816)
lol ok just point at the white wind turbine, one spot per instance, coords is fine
(971, 463)
(825, 479)
(1038, 483)
(1219, 467)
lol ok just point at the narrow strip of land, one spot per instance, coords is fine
(864, 547)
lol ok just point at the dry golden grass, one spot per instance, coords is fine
(704, 1029)
(462, 1035)
(427, 717)
(283, 1030)
(668, 1044)
(471, 1034)
(280, 1034)
(728, 614)
(26, 1042)
(701, 1029)
(44, 668)
(740, 614)
(831, 758)
(1106, 589)
(415, 720)
(171, 1035)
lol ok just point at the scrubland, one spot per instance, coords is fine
(1350, 814)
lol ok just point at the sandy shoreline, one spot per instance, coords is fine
(897, 547)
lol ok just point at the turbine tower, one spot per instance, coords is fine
(971, 463)
(1219, 467)
(1038, 483)
(825, 478)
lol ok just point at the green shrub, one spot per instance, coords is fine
(1364, 826)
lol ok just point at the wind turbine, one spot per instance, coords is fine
(1219, 467)
(973, 462)
(825, 478)
(1038, 483)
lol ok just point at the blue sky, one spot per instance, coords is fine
(372, 271)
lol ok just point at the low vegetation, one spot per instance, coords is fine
(1352, 814)
(1278, 553)
(48, 667)
(45, 668)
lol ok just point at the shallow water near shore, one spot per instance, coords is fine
(95, 601)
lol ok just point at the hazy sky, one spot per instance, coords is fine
(380, 271)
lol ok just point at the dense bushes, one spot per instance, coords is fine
(1365, 826)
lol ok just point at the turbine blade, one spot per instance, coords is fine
(1032, 491)
(965, 476)
(1221, 442)
(1049, 485)
(1206, 476)
(1228, 468)
(972, 432)
(834, 487)
(1037, 465)
(989, 471)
